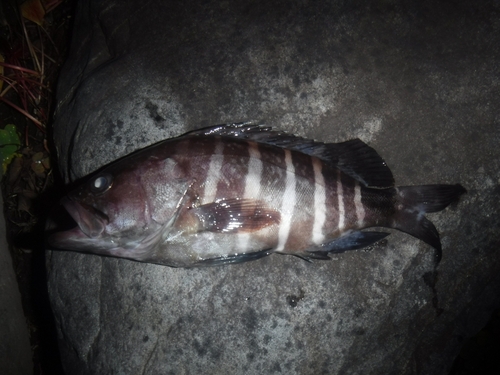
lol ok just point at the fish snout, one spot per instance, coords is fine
(71, 217)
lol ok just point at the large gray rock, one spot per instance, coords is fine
(418, 82)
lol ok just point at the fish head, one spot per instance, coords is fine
(118, 212)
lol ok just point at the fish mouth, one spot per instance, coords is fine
(73, 221)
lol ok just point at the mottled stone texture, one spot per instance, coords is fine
(418, 81)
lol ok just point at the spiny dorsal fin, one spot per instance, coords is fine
(355, 158)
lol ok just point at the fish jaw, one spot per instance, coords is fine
(90, 221)
(73, 239)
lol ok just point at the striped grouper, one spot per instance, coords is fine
(238, 192)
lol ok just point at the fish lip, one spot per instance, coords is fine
(89, 220)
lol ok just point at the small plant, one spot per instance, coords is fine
(33, 41)
(9, 145)
(29, 64)
(27, 67)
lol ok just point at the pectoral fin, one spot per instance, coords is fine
(235, 215)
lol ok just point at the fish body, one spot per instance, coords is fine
(238, 192)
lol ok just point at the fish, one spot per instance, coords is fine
(237, 192)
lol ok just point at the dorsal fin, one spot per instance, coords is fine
(355, 158)
(363, 163)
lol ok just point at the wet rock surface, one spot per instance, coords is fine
(418, 82)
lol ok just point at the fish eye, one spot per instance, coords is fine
(101, 183)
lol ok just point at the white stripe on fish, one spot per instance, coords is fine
(252, 185)
(340, 196)
(319, 203)
(213, 174)
(288, 202)
(360, 209)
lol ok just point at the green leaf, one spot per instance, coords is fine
(9, 144)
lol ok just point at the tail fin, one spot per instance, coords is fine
(413, 202)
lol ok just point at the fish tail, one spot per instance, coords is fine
(413, 202)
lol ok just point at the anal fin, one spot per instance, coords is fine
(352, 241)
(234, 258)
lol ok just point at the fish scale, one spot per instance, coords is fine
(238, 192)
